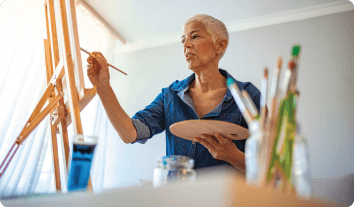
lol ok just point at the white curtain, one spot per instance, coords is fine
(22, 83)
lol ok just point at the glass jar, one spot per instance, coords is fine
(173, 168)
(301, 174)
(252, 153)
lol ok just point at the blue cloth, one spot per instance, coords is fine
(174, 104)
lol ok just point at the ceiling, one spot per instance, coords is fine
(142, 20)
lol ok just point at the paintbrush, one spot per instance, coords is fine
(237, 96)
(92, 55)
(289, 72)
(264, 139)
(250, 105)
(290, 75)
(270, 129)
(274, 88)
(297, 96)
(264, 91)
(295, 53)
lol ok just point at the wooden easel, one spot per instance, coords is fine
(65, 59)
(65, 90)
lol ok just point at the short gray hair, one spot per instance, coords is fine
(215, 27)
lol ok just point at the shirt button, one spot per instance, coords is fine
(193, 142)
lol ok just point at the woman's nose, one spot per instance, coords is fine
(187, 43)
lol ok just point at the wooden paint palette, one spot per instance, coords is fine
(190, 129)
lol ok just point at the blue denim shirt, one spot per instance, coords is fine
(174, 104)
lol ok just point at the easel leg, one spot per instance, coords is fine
(52, 128)
(89, 185)
(70, 71)
(55, 157)
(63, 128)
(63, 136)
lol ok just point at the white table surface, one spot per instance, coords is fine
(217, 188)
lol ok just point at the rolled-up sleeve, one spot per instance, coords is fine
(142, 130)
(150, 120)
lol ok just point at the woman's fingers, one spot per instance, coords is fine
(206, 144)
(97, 69)
(90, 59)
(215, 140)
(210, 139)
(219, 146)
(91, 72)
(92, 63)
(100, 58)
(222, 140)
(233, 136)
(90, 68)
(99, 55)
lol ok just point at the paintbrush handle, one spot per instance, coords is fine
(92, 55)
(85, 51)
(250, 105)
(241, 105)
(117, 69)
(248, 116)
(263, 116)
(274, 109)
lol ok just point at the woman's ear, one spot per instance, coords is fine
(222, 45)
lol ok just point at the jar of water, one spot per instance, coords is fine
(252, 153)
(301, 175)
(172, 169)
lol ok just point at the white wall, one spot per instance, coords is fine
(325, 81)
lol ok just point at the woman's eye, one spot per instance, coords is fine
(183, 41)
(195, 36)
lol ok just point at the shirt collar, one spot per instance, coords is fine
(182, 86)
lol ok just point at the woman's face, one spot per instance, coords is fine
(199, 49)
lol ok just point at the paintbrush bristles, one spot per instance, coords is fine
(265, 73)
(279, 62)
(263, 102)
(264, 87)
(275, 80)
(291, 65)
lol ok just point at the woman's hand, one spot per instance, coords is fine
(97, 70)
(222, 148)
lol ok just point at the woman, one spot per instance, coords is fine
(203, 95)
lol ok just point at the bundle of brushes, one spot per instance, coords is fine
(269, 150)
